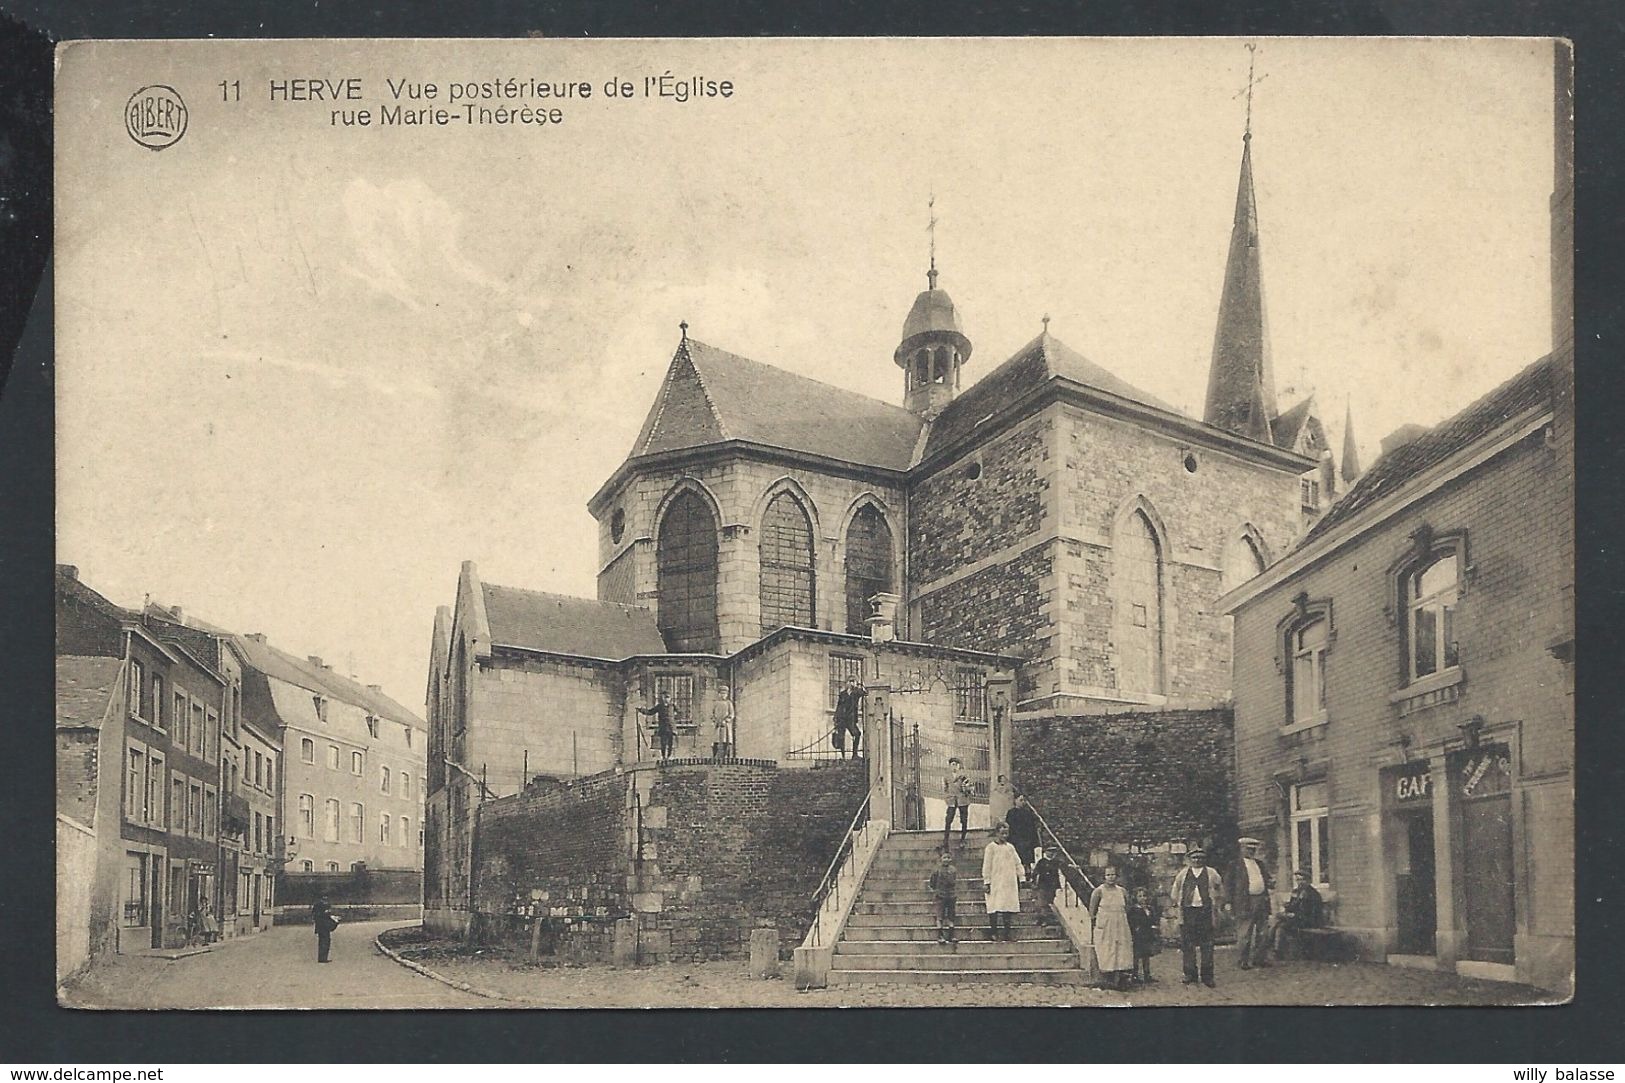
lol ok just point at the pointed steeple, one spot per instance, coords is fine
(1351, 455)
(1241, 383)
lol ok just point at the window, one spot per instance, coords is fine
(307, 866)
(678, 689)
(157, 701)
(408, 731)
(372, 726)
(1307, 676)
(355, 763)
(406, 785)
(686, 575)
(1431, 594)
(138, 677)
(420, 836)
(270, 835)
(1137, 610)
(868, 565)
(332, 866)
(970, 691)
(330, 820)
(177, 718)
(787, 565)
(383, 780)
(194, 808)
(1309, 493)
(259, 768)
(383, 827)
(320, 703)
(358, 822)
(245, 891)
(259, 833)
(177, 804)
(135, 789)
(332, 757)
(155, 790)
(406, 832)
(236, 709)
(135, 889)
(211, 737)
(195, 738)
(307, 813)
(307, 753)
(1311, 841)
(211, 812)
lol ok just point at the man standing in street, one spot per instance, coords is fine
(664, 733)
(1196, 891)
(847, 702)
(1250, 890)
(325, 921)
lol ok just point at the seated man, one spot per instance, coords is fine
(1303, 910)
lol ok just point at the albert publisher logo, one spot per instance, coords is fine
(155, 117)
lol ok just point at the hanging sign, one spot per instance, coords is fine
(1414, 786)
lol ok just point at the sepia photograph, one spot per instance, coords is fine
(775, 523)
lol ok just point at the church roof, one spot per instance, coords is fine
(1241, 385)
(1043, 359)
(711, 396)
(1530, 388)
(559, 624)
(1288, 428)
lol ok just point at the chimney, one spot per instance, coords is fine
(314, 659)
(375, 688)
(177, 614)
(883, 625)
(257, 637)
(69, 571)
(1401, 436)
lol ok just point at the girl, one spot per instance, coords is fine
(1114, 944)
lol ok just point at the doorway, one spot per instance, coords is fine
(1414, 891)
(1486, 838)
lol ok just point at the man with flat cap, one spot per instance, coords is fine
(1250, 886)
(1197, 891)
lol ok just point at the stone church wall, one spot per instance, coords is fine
(1005, 608)
(724, 848)
(1144, 778)
(542, 715)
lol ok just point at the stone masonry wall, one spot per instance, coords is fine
(76, 763)
(1143, 777)
(1005, 608)
(550, 716)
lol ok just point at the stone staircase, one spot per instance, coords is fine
(891, 935)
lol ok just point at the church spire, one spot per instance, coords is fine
(1241, 383)
(1351, 455)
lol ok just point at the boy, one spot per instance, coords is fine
(1143, 927)
(944, 885)
(956, 791)
(1047, 879)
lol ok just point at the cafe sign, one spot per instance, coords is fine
(1414, 786)
(1486, 772)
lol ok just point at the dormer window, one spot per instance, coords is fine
(372, 725)
(320, 703)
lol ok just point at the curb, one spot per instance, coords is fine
(378, 943)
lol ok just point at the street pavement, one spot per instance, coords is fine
(273, 969)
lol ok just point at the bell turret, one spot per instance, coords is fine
(932, 350)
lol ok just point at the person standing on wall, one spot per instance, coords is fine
(722, 718)
(1001, 880)
(325, 921)
(847, 703)
(664, 733)
(1197, 890)
(1023, 822)
(956, 789)
(1250, 885)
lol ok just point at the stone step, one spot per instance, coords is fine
(924, 949)
(930, 840)
(923, 912)
(966, 930)
(1047, 976)
(951, 960)
(970, 897)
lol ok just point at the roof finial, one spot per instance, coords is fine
(1252, 57)
(1046, 323)
(931, 228)
(683, 325)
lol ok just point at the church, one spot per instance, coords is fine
(1043, 532)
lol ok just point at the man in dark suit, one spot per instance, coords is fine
(1250, 886)
(326, 921)
(847, 702)
(1197, 890)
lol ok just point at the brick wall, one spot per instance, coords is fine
(76, 763)
(1146, 777)
(724, 847)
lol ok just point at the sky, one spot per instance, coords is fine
(305, 370)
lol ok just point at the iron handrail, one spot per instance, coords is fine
(832, 877)
(1070, 860)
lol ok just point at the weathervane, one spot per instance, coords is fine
(1252, 57)
(931, 228)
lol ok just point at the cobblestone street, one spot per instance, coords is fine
(725, 985)
(274, 969)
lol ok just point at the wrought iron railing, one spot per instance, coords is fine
(829, 888)
(822, 749)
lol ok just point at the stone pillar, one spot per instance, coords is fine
(881, 747)
(1000, 789)
(764, 952)
(883, 624)
(1448, 937)
(625, 949)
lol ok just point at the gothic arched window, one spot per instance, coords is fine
(686, 560)
(1242, 561)
(868, 565)
(787, 565)
(1137, 615)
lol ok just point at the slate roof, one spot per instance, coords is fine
(560, 624)
(1530, 388)
(1286, 428)
(85, 687)
(1043, 359)
(710, 396)
(1241, 380)
(274, 662)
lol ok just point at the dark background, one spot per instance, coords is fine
(33, 1029)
